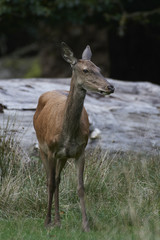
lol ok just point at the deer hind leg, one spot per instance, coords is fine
(44, 159)
(59, 167)
(80, 169)
(51, 171)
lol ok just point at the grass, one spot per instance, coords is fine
(122, 196)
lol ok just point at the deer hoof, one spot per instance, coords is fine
(47, 222)
(57, 224)
(86, 227)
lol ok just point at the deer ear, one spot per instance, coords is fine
(87, 54)
(67, 54)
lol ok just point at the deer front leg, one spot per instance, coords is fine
(80, 169)
(59, 167)
(51, 186)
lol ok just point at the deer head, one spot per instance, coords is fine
(85, 72)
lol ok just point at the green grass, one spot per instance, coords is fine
(33, 229)
(122, 196)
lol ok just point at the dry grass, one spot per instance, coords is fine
(122, 191)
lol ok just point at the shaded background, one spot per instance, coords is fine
(124, 36)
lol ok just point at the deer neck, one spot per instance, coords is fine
(73, 109)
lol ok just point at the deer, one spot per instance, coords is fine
(62, 127)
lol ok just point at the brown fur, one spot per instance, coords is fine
(48, 121)
(62, 127)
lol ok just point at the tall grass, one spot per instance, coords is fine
(125, 187)
(122, 190)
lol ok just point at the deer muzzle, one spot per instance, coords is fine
(106, 91)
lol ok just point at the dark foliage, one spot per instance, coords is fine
(131, 28)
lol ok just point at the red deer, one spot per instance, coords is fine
(62, 126)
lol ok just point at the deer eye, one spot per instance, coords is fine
(85, 71)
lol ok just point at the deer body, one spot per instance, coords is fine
(62, 127)
(66, 140)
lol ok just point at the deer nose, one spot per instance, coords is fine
(111, 88)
